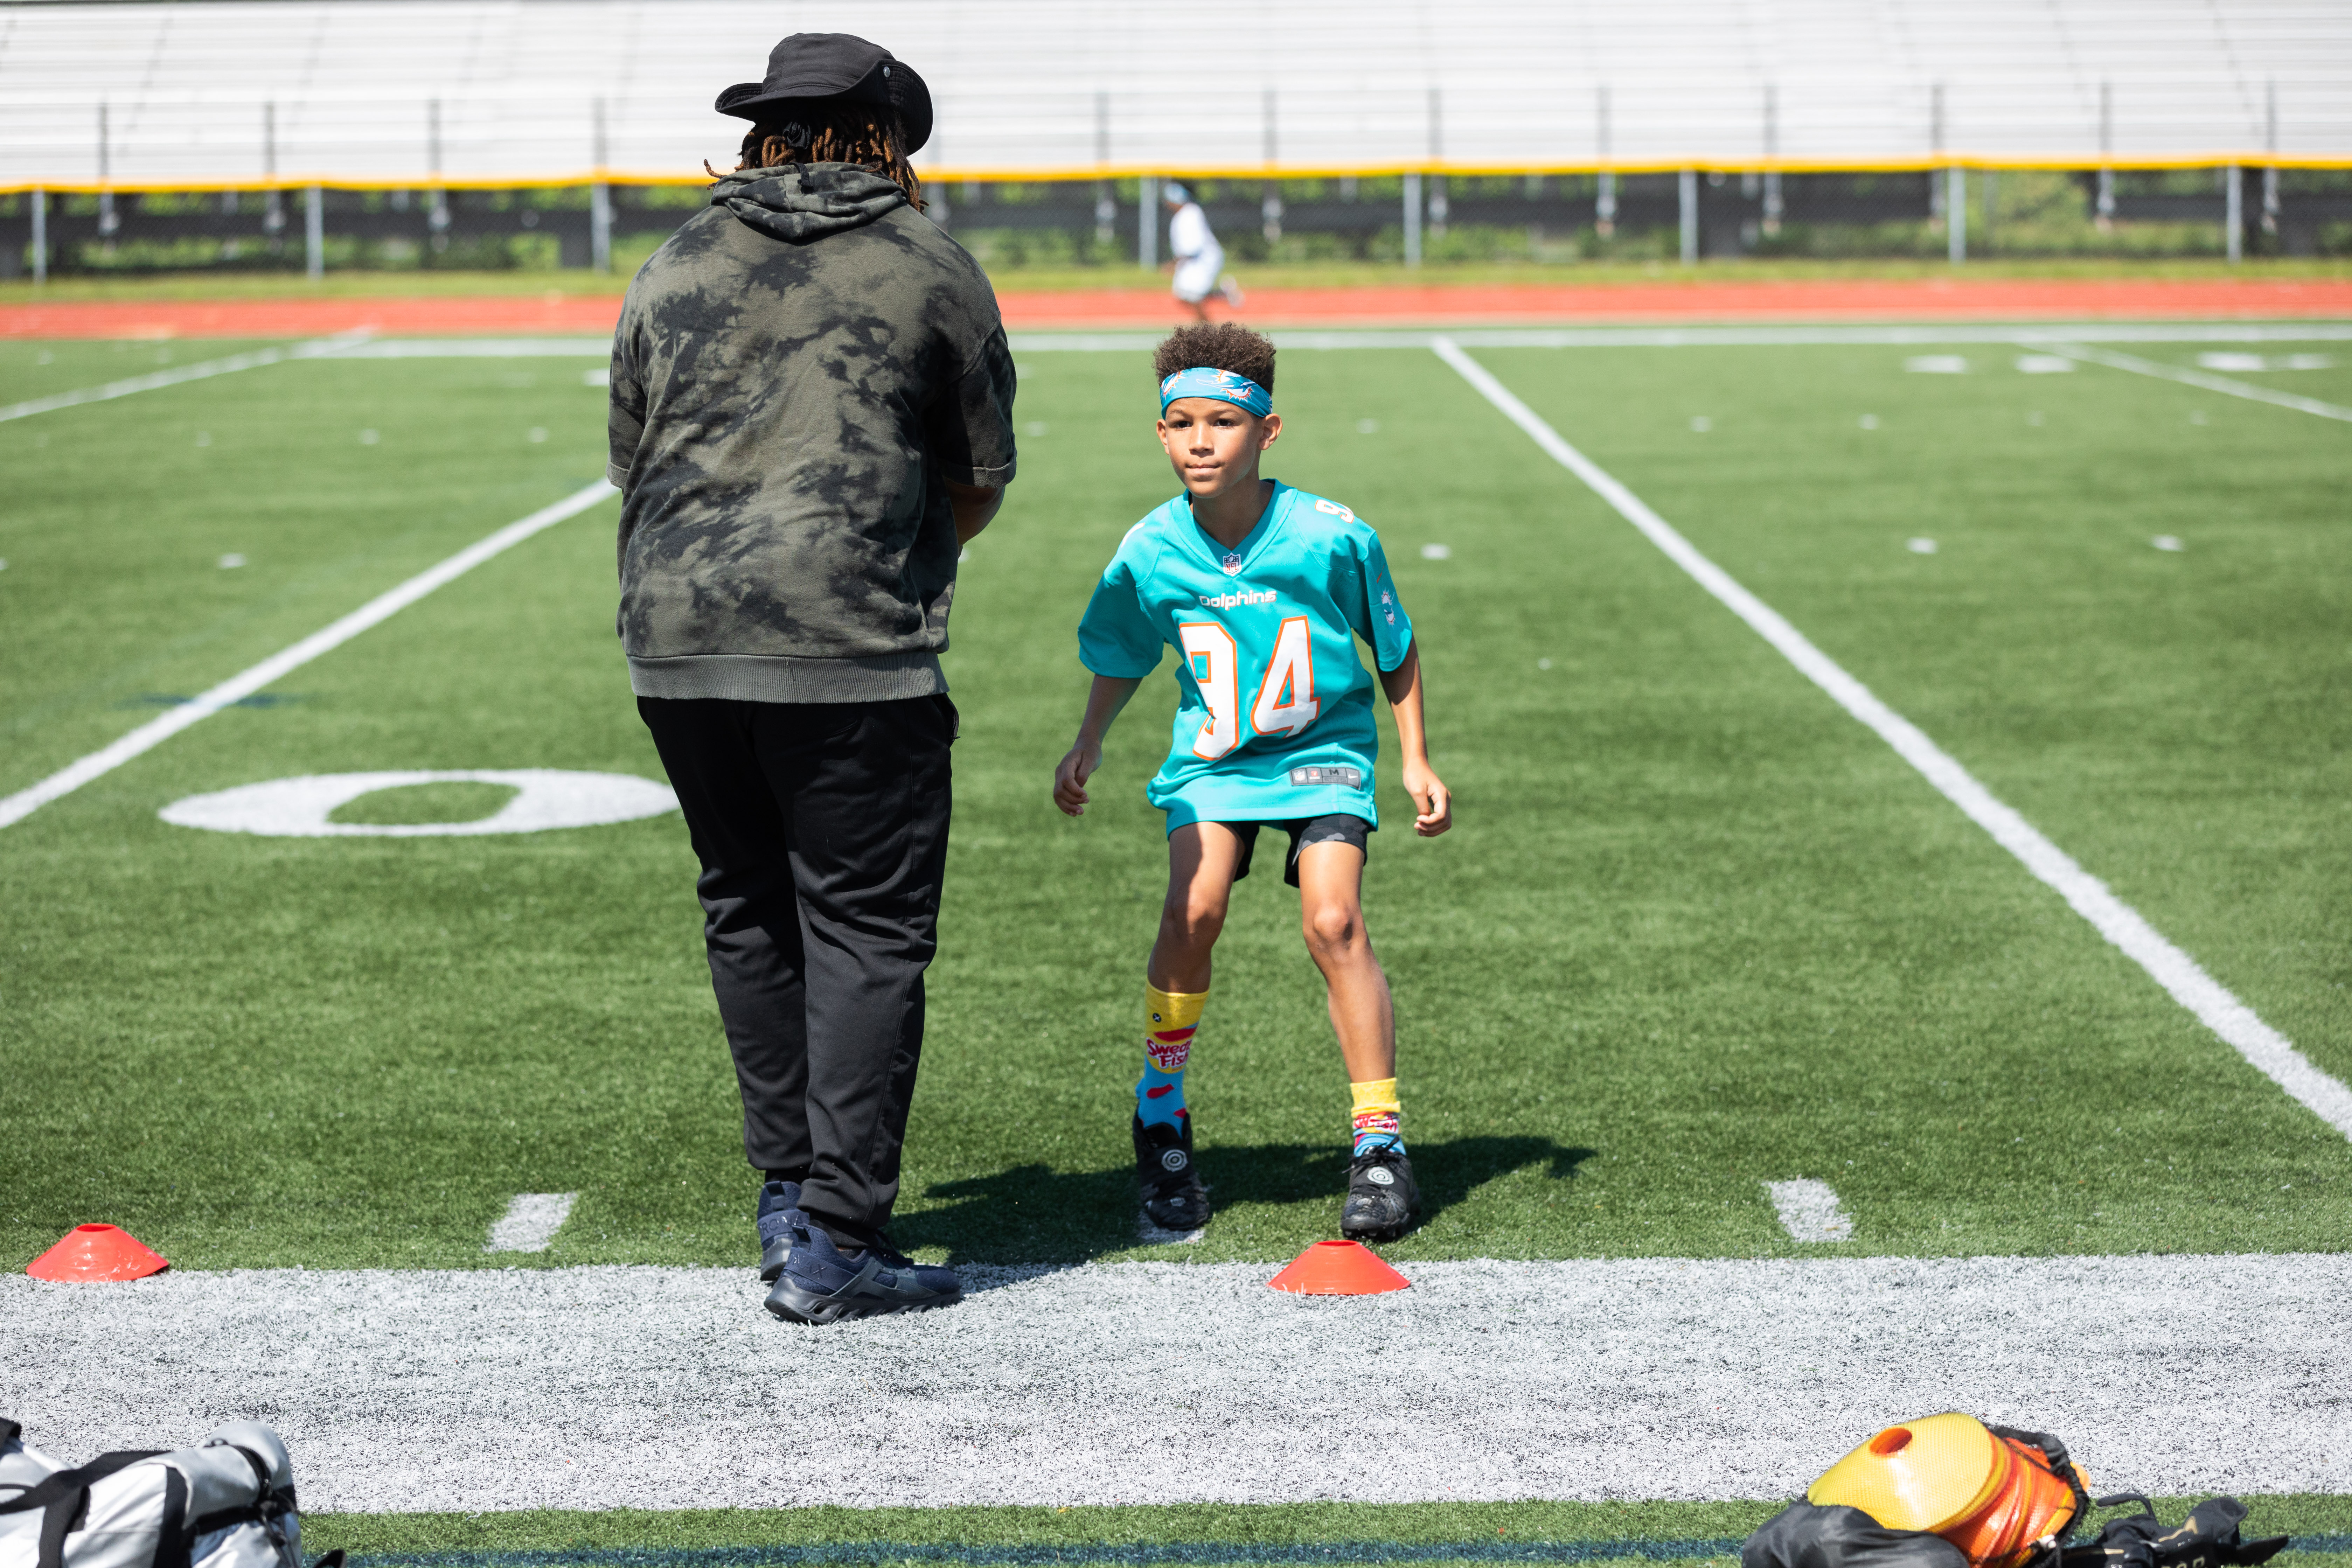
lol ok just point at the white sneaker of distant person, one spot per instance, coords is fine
(1231, 288)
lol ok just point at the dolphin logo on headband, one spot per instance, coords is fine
(1221, 385)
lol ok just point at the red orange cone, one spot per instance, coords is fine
(1338, 1269)
(91, 1252)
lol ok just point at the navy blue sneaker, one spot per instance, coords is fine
(823, 1284)
(780, 1213)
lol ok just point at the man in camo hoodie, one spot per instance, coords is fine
(811, 415)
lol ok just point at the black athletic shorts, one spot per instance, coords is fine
(1337, 828)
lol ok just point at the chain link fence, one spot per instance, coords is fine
(1537, 220)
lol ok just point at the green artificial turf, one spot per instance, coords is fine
(31, 368)
(2324, 373)
(329, 482)
(446, 801)
(2176, 720)
(1070, 1531)
(1697, 930)
(1266, 1524)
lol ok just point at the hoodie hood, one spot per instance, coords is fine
(800, 203)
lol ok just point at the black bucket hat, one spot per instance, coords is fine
(835, 67)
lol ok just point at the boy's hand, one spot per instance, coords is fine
(1070, 776)
(1430, 794)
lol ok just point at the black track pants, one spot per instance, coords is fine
(823, 832)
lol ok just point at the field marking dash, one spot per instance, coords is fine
(2270, 1052)
(15, 807)
(1810, 1211)
(317, 348)
(2204, 378)
(531, 1222)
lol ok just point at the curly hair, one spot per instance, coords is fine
(1218, 345)
(863, 134)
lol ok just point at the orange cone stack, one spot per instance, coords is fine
(1338, 1269)
(93, 1252)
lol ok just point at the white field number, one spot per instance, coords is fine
(1209, 654)
(1285, 698)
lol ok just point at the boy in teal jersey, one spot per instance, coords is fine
(1261, 590)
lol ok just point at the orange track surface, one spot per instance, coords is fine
(1396, 305)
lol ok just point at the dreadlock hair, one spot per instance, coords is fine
(1217, 345)
(866, 135)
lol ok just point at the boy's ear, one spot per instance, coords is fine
(1273, 431)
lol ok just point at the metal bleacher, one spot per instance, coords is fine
(345, 92)
(394, 96)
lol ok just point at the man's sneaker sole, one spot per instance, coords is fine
(797, 1303)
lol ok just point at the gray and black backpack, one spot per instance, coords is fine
(228, 1502)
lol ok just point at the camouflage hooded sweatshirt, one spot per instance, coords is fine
(796, 373)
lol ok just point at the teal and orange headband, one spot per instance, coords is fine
(1221, 385)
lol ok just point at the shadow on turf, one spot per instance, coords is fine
(1033, 1215)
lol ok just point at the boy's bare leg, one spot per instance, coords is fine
(1382, 1198)
(1201, 860)
(1331, 913)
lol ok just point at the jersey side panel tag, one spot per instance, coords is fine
(1342, 778)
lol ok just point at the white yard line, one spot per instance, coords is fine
(318, 348)
(1508, 337)
(1885, 335)
(14, 808)
(2265, 1047)
(666, 1387)
(483, 348)
(2204, 378)
(1809, 1210)
(531, 1222)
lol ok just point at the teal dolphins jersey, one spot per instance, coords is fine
(1275, 716)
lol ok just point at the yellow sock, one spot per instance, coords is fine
(1170, 1020)
(1378, 1115)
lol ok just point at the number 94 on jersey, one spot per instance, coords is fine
(1281, 699)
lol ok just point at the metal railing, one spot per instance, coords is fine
(1408, 218)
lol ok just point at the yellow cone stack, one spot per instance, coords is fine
(1949, 1476)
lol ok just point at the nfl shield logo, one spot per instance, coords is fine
(1232, 563)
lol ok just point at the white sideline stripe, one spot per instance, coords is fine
(317, 348)
(2204, 378)
(2025, 335)
(481, 348)
(1810, 1211)
(531, 1222)
(1484, 337)
(524, 1387)
(14, 808)
(2271, 1052)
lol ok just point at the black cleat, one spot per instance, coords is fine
(1382, 1197)
(1173, 1197)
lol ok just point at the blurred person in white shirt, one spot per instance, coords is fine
(1200, 259)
